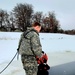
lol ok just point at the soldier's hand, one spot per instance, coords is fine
(17, 49)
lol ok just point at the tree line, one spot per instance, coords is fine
(23, 16)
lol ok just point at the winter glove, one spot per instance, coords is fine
(44, 60)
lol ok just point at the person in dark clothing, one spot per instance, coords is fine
(43, 67)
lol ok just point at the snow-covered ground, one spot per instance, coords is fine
(59, 47)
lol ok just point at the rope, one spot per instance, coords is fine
(9, 63)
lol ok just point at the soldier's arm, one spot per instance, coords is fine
(36, 45)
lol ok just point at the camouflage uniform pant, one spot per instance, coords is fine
(29, 65)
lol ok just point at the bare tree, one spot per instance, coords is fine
(12, 21)
(23, 14)
(37, 17)
(4, 21)
(51, 24)
(2, 14)
(54, 24)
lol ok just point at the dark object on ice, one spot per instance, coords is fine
(43, 69)
(43, 73)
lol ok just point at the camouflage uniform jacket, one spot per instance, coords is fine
(32, 41)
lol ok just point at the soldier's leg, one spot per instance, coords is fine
(29, 65)
(31, 69)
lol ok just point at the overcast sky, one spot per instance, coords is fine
(64, 9)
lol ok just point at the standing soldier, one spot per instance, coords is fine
(30, 47)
